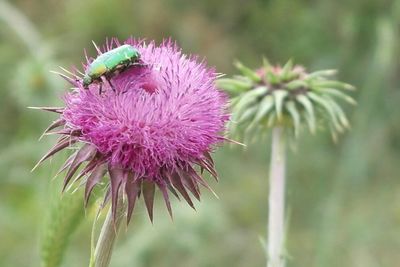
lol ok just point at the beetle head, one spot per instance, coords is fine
(86, 81)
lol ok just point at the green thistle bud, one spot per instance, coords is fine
(286, 96)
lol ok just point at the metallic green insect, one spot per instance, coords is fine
(106, 65)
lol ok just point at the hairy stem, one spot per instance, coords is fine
(108, 235)
(276, 218)
(65, 216)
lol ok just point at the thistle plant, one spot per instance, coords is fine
(286, 99)
(153, 125)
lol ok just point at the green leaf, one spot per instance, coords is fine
(294, 113)
(246, 100)
(272, 78)
(309, 115)
(286, 70)
(266, 64)
(340, 113)
(233, 86)
(247, 72)
(265, 106)
(328, 107)
(340, 94)
(296, 84)
(248, 114)
(233, 101)
(279, 96)
(321, 73)
(232, 126)
(332, 84)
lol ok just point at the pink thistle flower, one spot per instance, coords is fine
(163, 119)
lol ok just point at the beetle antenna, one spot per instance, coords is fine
(95, 46)
(70, 73)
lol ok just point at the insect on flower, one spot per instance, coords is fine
(108, 64)
(159, 133)
(105, 66)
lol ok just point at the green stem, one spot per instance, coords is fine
(276, 218)
(108, 235)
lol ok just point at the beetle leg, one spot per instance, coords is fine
(112, 86)
(139, 64)
(106, 79)
(100, 88)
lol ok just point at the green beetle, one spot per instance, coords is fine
(109, 63)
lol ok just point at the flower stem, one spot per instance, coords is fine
(108, 235)
(276, 200)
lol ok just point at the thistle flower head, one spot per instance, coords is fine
(287, 96)
(150, 126)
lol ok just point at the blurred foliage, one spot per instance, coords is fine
(344, 199)
(65, 214)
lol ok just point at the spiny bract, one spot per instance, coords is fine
(286, 96)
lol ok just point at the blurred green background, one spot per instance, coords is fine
(344, 199)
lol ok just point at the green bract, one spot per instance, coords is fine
(285, 96)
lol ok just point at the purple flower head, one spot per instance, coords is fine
(151, 125)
